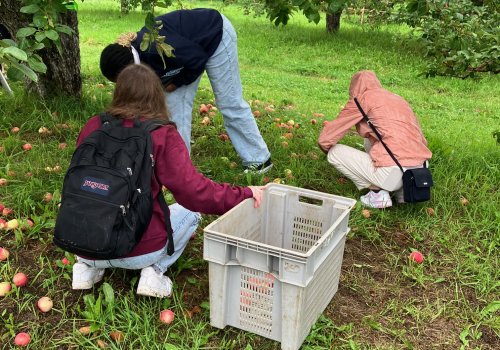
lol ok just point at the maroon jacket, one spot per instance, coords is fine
(177, 173)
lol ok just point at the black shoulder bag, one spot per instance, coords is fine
(417, 182)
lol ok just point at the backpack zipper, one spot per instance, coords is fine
(120, 206)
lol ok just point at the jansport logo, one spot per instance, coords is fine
(98, 186)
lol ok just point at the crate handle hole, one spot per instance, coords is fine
(309, 200)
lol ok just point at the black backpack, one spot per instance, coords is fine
(106, 197)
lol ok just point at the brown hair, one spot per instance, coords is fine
(139, 93)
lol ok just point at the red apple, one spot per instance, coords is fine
(314, 121)
(4, 254)
(5, 287)
(223, 137)
(22, 339)
(65, 261)
(1, 206)
(3, 224)
(203, 108)
(15, 130)
(20, 279)
(416, 256)
(3, 182)
(7, 212)
(167, 316)
(256, 113)
(325, 122)
(27, 146)
(62, 145)
(44, 304)
(47, 197)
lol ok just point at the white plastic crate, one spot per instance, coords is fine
(274, 269)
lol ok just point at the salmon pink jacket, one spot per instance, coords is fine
(391, 115)
(176, 172)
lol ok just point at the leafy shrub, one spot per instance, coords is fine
(461, 37)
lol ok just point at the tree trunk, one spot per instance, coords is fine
(63, 72)
(333, 21)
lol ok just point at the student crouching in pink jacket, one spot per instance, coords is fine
(374, 169)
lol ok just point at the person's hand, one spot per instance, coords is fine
(170, 88)
(257, 195)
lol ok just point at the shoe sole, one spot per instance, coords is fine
(150, 293)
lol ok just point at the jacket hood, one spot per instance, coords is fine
(362, 81)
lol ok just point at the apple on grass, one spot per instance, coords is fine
(22, 339)
(27, 146)
(20, 279)
(4, 254)
(167, 316)
(12, 224)
(44, 304)
(5, 288)
(3, 182)
(417, 256)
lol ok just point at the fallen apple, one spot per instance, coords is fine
(44, 304)
(1, 206)
(416, 256)
(101, 344)
(223, 137)
(284, 144)
(12, 224)
(22, 339)
(15, 130)
(167, 316)
(43, 130)
(4, 254)
(288, 136)
(203, 108)
(256, 113)
(5, 287)
(27, 146)
(20, 279)
(84, 330)
(430, 211)
(62, 145)
(3, 224)
(65, 261)
(117, 336)
(3, 182)
(7, 212)
(464, 201)
(47, 197)
(366, 213)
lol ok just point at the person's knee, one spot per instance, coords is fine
(336, 154)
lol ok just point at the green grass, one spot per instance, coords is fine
(451, 301)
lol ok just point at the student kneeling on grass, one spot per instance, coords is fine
(139, 93)
(374, 169)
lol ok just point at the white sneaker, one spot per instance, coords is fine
(154, 284)
(85, 276)
(378, 200)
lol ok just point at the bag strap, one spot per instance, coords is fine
(370, 124)
(168, 224)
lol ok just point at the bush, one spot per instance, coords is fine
(460, 36)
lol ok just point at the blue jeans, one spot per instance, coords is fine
(184, 223)
(224, 75)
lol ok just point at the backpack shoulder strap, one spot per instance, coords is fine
(108, 119)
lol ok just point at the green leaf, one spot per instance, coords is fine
(15, 52)
(149, 22)
(491, 308)
(146, 39)
(40, 36)
(169, 346)
(39, 20)
(64, 29)
(109, 295)
(9, 42)
(33, 8)
(37, 46)
(28, 72)
(24, 32)
(37, 65)
(14, 74)
(52, 35)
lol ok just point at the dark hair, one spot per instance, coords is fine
(139, 93)
(114, 58)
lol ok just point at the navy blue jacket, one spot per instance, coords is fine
(194, 35)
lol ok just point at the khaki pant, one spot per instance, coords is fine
(358, 167)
